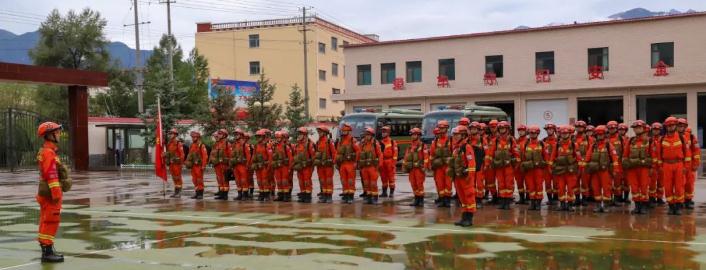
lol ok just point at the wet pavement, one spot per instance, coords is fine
(115, 220)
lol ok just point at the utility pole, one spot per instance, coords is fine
(139, 78)
(169, 48)
(306, 66)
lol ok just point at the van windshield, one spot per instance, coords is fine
(359, 123)
(431, 119)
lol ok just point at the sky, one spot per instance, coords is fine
(390, 19)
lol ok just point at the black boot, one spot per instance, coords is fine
(660, 201)
(570, 207)
(199, 195)
(479, 203)
(522, 198)
(689, 204)
(535, 205)
(287, 197)
(49, 256)
(644, 208)
(369, 200)
(329, 198)
(415, 202)
(218, 195)
(599, 207)
(501, 204)
(677, 209)
(261, 196)
(375, 199)
(392, 192)
(616, 201)
(223, 196)
(671, 210)
(651, 204)
(239, 197)
(322, 198)
(308, 198)
(279, 197)
(463, 217)
(384, 192)
(252, 192)
(447, 202)
(626, 197)
(177, 193)
(421, 201)
(363, 195)
(196, 193)
(467, 220)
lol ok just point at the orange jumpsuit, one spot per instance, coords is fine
(242, 157)
(416, 174)
(601, 179)
(673, 156)
(304, 174)
(692, 165)
(325, 172)
(442, 181)
(282, 171)
(369, 173)
(264, 153)
(582, 143)
(479, 146)
(534, 177)
(346, 168)
(550, 183)
(638, 176)
(519, 175)
(221, 148)
(389, 162)
(489, 174)
(465, 186)
(176, 152)
(49, 206)
(566, 182)
(618, 143)
(505, 172)
(656, 183)
(197, 169)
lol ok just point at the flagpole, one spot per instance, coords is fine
(159, 110)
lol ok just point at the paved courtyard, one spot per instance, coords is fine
(115, 220)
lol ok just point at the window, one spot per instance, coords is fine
(598, 57)
(334, 44)
(494, 64)
(255, 68)
(335, 91)
(545, 60)
(254, 41)
(334, 69)
(663, 52)
(387, 73)
(364, 77)
(322, 103)
(447, 68)
(322, 75)
(322, 47)
(414, 71)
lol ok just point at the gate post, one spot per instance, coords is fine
(78, 129)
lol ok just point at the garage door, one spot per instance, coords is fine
(415, 107)
(542, 111)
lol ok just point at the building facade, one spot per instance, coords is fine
(244, 50)
(646, 69)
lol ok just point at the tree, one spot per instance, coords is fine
(296, 108)
(120, 99)
(222, 114)
(196, 81)
(262, 113)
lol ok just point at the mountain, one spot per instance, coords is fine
(641, 13)
(14, 49)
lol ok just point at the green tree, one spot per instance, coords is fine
(262, 113)
(195, 80)
(222, 114)
(18, 96)
(296, 109)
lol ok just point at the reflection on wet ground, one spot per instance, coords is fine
(114, 221)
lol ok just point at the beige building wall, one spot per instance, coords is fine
(630, 73)
(281, 58)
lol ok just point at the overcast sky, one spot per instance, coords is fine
(390, 19)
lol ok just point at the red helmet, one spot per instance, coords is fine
(533, 129)
(565, 129)
(370, 130)
(238, 131)
(247, 135)
(47, 127)
(437, 131)
(303, 130)
(590, 128)
(323, 128)
(173, 131)
(483, 125)
(656, 125)
(493, 123)
(474, 124)
(503, 124)
(622, 126)
(195, 134)
(346, 127)
(223, 132)
(464, 121)
(612, 124)
(279, 135)
(549, 125)
(682, 121)
(670, 121)
(521, 127)
(600, 130)
(415, 131)
(580, 123)
(261, 132)
(385, 128)
(638, 123)
(442, 124)
(460, 130)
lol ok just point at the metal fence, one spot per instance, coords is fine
(19, 142)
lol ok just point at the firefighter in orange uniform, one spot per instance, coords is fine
(281, 162)
(692, 166)
(550, 183)
(324, 161)
(637, 161)
(54, 181)
(462, 170)
(601, 162)
(303, 155)
(220, 157)
(369, 161)
(565, 166)
(519, 175)
(414, 161)
(618, 143)
(440, 152)
(475, 139)
(389, 162)
(261, 164)
(532, 163)
(582, 141)
(346, 155)
(196, 160)
(175, 158)
(673, 156)
(501, 157)
(624, 185)
(250, 173)
(240, 161)
(656, 183)
(490, 186)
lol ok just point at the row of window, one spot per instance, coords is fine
(494, 64)
(254, 42)
(334, 72)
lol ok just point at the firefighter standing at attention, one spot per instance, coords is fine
(175, 159)
(389, 162)
(196, 160)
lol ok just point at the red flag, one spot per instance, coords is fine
(159, 167)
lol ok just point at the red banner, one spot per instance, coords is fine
(159, 167)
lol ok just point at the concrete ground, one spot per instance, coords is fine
(115, 220)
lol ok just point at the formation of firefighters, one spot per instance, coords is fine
(573, 166)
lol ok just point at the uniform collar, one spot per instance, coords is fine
(50, 145)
